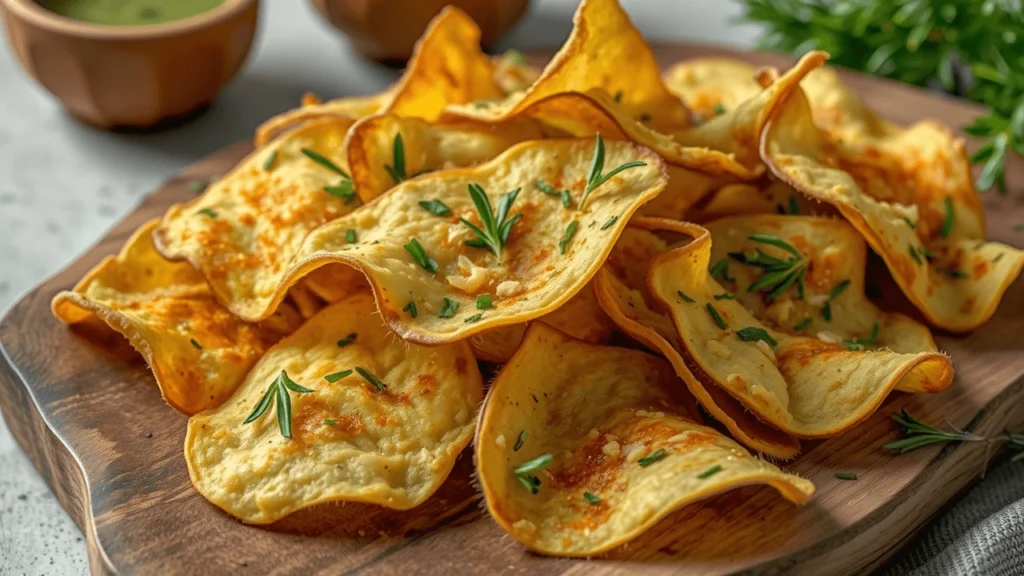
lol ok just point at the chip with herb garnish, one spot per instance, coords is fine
(609, 417)
(423, 434)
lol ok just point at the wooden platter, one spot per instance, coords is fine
(93, 424)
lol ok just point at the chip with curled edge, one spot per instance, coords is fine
(369, 418)
(198, 352)
(809, 387)
(582, 448)
(948, 270)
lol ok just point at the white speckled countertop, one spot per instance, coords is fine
(63, 184)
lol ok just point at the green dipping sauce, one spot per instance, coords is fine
(129, 12)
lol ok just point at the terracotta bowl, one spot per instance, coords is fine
(132, 76)
(386, 30)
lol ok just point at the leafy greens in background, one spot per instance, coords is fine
(971, 48)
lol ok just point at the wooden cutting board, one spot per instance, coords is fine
(91, 420)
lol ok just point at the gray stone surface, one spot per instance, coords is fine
(63, 184)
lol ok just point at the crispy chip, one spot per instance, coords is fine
(956, 281)
(624, 450)
(244, 230)
(376, 160)
(833, 305)
(622, 291)
(807, 387)
(512, 74)
(351, 108)
(351, 440)
(581, 317)
(199, 353)
(709, 85)
(534, 276)
(335, 281)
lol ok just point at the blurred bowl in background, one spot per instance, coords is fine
(132, 77)
(386, 30)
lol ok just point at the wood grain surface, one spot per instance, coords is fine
(91, 420)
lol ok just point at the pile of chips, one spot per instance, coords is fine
(323, 311)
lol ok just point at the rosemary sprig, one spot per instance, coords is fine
(495, 227)
(862, 343)
(777, 275)
(344, 189)
(753, 334)
(597, 174)
(917, 434)
(277, 393)
(397, 167)
(570, 231)
(524, 472)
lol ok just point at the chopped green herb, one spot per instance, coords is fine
(720, 271)
(909, 222)
(915, 255)
(474, 318)
(197, 185)
(725, 296)
(753, 334)
(344, 190)
(997, 258)
(323, 161)
(369, 377)
(530, 482)
(947, 221)
(794, 208)
(484, 302)
(268, 164)
(685, 297)
(618, 96)
(496, 227)
(195, 344)
(448, 308)
(332, 378)
(207, 212)
(330, 422)
(347, 340)
(513, 57)
(716, 316)
(718, 110)
(845, 476)
(410, 308)
(651, 458)
(826, 311)
(926, 253)
(951, 272)
(710, 472)
(539, 463)
(566, 199)
(415, 249)
(350, 236)
(838, 289)
(597, 175)
(519, 441)
(397, 168)
(803, 324)
(277, 393)
(611, 221)
(547, 188)
(777, 275)
(570, 231)
(861, 343)
(436, 207)
(590, 498)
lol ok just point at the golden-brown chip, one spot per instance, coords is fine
(833, 258)
(948, 271)
(384, 150)
(380, 421)
(350, 108)
(709, 86)
(430, 285)
(805, 386)
(622, 291)
(199, 353)
(582, 448)
(243, 232)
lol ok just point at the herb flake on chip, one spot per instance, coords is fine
(474, 318)
(915, 255)
(720, 271)
(484, 302)
(754, 334)
(713, 312)
(195, 344)
(277, 393)
(951, 272)
(566, 199)
(397, 168)
(597, 174)
(548, 189)
(710, 472)
(415, 249)
(347, 340)
(325, 162)
(207, 212)
(777, 275)
(803, 324)
(947, 220)
(570, 231)
(495, 227)
(651, 458)
(411, 309)
(685, 297)
(436, 207)
(448, 308)
(539, 463)
(330, 422)
(725, 296)
(332, 378)
(350, 236)
(611, 221)
(839, 288)
(268, 164)
(861, 343)
(369, 377)
(519, 441)
(590, 498)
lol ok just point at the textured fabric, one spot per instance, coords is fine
(982, 534)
